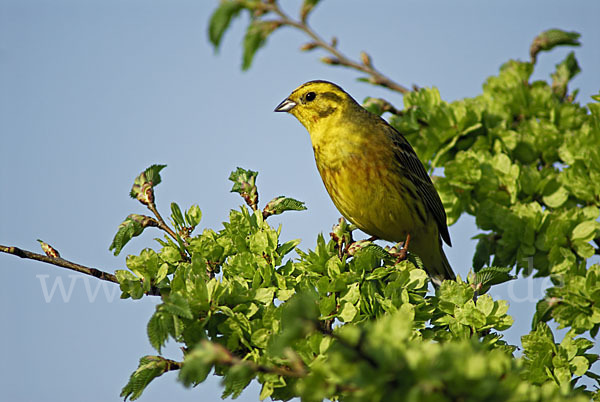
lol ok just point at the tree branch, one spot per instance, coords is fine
(170, 365)
(61, 262)
(161, 222)
(366, 65)
(163, 226)
(229, 359)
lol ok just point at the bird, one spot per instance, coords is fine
(372, 174)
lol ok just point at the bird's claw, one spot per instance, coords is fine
(403, 252)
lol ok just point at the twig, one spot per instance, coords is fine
(170, 365)
(61, 262)
(161, 222)
(232, 360)
(163, 226)
(366, 66)
(297, 369)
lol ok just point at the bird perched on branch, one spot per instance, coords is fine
(372, 173)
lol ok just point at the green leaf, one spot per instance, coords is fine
(352, 295)
(483, 251)
(178, 305)
(288, 246)
(281, 204)
(199, 362)
(143, 185)
(327, 305)
(469, 315)
(367, 254)
(149, 368)
(284, 294)
(565, 71)
(220, 20)
(256, 36)
(264, 295)
(244, 183)
(583, 248)
(236, 380)
(557, 198)
(543, 311)
(176, 215)
(193, 216)
(129, 284)
(347, 312)
(489, 276)
(131, 227)
(157, 330)
(585, 231)
(551, 38)
(170, 254)
(485, 304)
(579, 365)
(307, 7)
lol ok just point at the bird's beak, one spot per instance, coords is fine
(285, 106)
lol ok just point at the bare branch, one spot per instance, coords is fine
(61, 262)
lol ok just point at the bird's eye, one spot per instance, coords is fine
(310, 96)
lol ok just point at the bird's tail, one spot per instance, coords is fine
(440, 269)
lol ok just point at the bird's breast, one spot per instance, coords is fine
(368, 192)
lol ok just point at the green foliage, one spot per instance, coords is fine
(337, 322)
(575, 303)
(347, 320)
(523, 160)
(546, 361)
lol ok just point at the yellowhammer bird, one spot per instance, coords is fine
(372, 174)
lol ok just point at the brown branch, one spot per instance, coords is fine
(366, 66)
(161, 222)
(229, 359)
(170, 365)
(61, 262)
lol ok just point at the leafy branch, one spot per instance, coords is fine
(260, 28)
(143, 191)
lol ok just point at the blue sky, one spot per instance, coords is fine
(93, 92)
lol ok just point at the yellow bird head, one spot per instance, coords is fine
(315, 101)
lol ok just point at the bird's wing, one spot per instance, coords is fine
(415, 171)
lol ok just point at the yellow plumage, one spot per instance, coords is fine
(371, 173)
